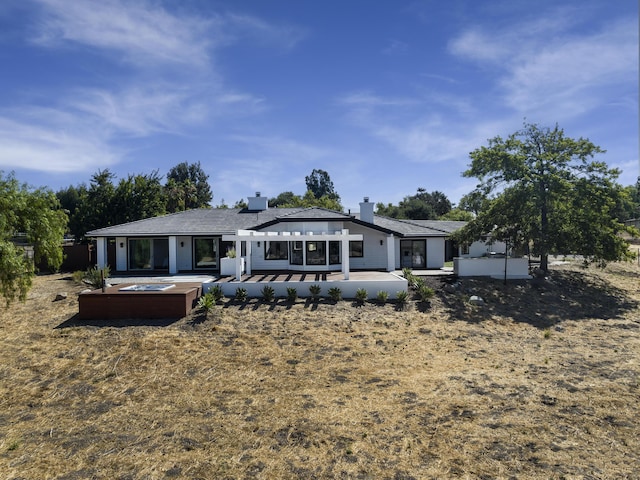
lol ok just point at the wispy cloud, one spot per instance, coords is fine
(173, 83)
(59, 145)
(396, 47)
(137, 31)
(546, 66)
(266, 34)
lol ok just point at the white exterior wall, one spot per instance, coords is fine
(375, 255)
(121, 254)
(435, 252)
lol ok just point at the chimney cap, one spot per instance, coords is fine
(257, 194)
(366, 199)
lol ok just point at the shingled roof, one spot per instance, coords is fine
(218, 221)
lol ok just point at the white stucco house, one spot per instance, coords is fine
(274, 239)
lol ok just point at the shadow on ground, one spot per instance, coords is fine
(563, 295)
(76, 321)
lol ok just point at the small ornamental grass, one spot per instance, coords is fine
(382, 297)
(335, 294)
(425, 293)
(361, 295)
(292, 294)
(241, 294)
(217, 293)
(206, 303)
(92, 276)
(402, 297)
(268, 293)
(315, 290)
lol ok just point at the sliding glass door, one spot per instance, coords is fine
(413, 253)
(148, 254)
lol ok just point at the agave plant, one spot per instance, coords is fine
(335, 294)
(268, 293)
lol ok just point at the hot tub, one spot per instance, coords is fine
(147, 287)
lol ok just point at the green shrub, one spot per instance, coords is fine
(93, 276)
(78, 276)
(417, 283)
(335, 294)
(206, 303)
(406, 272)
(315, 290)
(217, 293)
(382, 296)
(268, 294)
(361, 295)
(231, 253)
(425, 293)
(241, 294)
(292, 294)
(402, 297)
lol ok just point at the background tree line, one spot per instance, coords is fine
(104, 203)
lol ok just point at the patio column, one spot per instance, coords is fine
(238, 260)
(391, 253)
(345, 255)
(101, 252)
(173, 255)
(247, 261)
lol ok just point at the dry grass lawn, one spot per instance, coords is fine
(541, 382)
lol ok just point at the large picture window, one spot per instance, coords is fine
(148, 254)
(316, 253)
(356, 248)
(275, 250)
(205, 253)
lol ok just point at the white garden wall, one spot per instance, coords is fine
(491, 267)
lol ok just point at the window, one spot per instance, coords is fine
(334, 253)
(356, 248)
(275, 250)
(316, 253)
(296, 253)
(148, 254)
(205, 253)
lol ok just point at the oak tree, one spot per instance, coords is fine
(545, 190)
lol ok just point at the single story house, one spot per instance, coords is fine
(274, 239)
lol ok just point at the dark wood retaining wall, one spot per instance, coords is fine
(177, 302)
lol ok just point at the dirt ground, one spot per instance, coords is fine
(542, 381)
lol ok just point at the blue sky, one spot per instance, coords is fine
(386, 96)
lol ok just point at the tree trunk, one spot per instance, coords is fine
(544, 262)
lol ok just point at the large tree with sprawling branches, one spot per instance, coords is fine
(546, 190)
